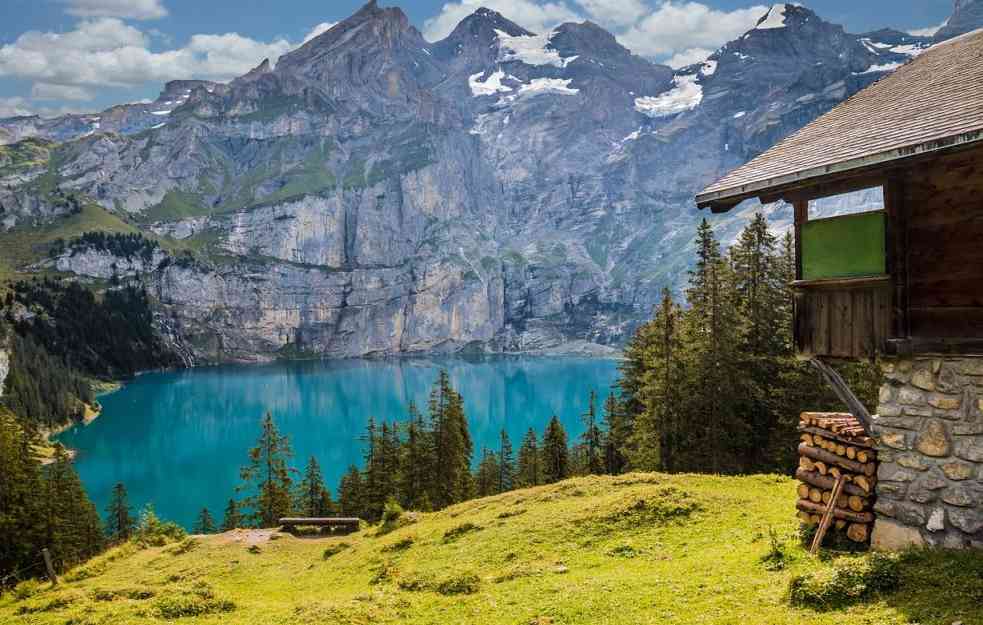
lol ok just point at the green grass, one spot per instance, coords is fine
(640, 548)
(27, 244)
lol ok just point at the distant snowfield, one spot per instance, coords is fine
(774, 19)
(685, 96)
(490, 86)
(531, 50)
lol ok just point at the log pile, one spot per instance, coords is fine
(834, 445)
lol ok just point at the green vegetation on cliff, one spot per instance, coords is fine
(637, 548)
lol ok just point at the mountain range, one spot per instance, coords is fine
(371, 192)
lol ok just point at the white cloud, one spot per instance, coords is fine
(614, 12)
(688, 57)
(535, 16)
(46, 91)
(108, 52)
(14, 107)
(127, 9)
(677, 26)
(323, 27)
(670, 31)
(926, 32)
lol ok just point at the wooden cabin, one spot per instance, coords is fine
(887, 190)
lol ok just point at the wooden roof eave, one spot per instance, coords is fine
(773, 189)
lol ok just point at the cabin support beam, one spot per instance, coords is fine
(843, 391)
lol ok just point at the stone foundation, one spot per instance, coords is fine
(930, 431)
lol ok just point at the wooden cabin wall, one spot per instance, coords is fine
(944, 202)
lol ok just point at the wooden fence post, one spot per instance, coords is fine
(48, 565)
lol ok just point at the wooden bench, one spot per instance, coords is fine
(334, 525)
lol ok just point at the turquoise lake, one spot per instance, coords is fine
(177, 439)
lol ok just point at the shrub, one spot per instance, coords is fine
(186, 545)
(152, 532)
(849, 581)
(460, 530)
(181, 605)
(400, 545)
(335, 549)
(26, 589)
(778, 556)
(464, 584)
(623, 551)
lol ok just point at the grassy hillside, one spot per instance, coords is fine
(641, 548)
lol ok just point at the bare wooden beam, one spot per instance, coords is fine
(843, 391)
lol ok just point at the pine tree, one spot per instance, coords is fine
(529, 470)
(416, 463)
(267, 477)
(655, 439)
(205, 523)
(506, 464)
(453, 448)
(711, 328)
(351, 493)
(313, 498)
(591, 440)
(488, 474)
(616, 435)
(71, 525)
(21, 497)
(556, 460)
(232, 518)
(119, 521)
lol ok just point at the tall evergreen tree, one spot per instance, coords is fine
(556, 459)
(529, 471)
(351, 493)
(21, 497)
(653, 442)
(616, 435)
(70, 524)
(711, 327)
(591, 439)
(506, 463)
(488, 474)
(313, 497)
(232, 518)
(205, 523)
(453, 448)
(267, 477)
(416, 463)
(119, 521)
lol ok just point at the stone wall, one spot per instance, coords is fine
(930, 429)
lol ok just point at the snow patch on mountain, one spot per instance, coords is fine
(775, 18)
(685, 96)
(883, 67)
(489, 86)
(548, 85)
(530, 49)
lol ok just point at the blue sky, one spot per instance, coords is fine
(84, 55)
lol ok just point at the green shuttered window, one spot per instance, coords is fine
(844, 247)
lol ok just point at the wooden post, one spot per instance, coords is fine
(48, 565)
(827, 516)
(844, 393)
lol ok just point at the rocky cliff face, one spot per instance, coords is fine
(372, 192)
(4, 367)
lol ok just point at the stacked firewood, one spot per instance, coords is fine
(834, 445)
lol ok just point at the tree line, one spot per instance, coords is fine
(715, 386)
(423, 463)
(63, 335)
(41, 506)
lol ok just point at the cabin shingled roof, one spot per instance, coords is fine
(932, 102)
